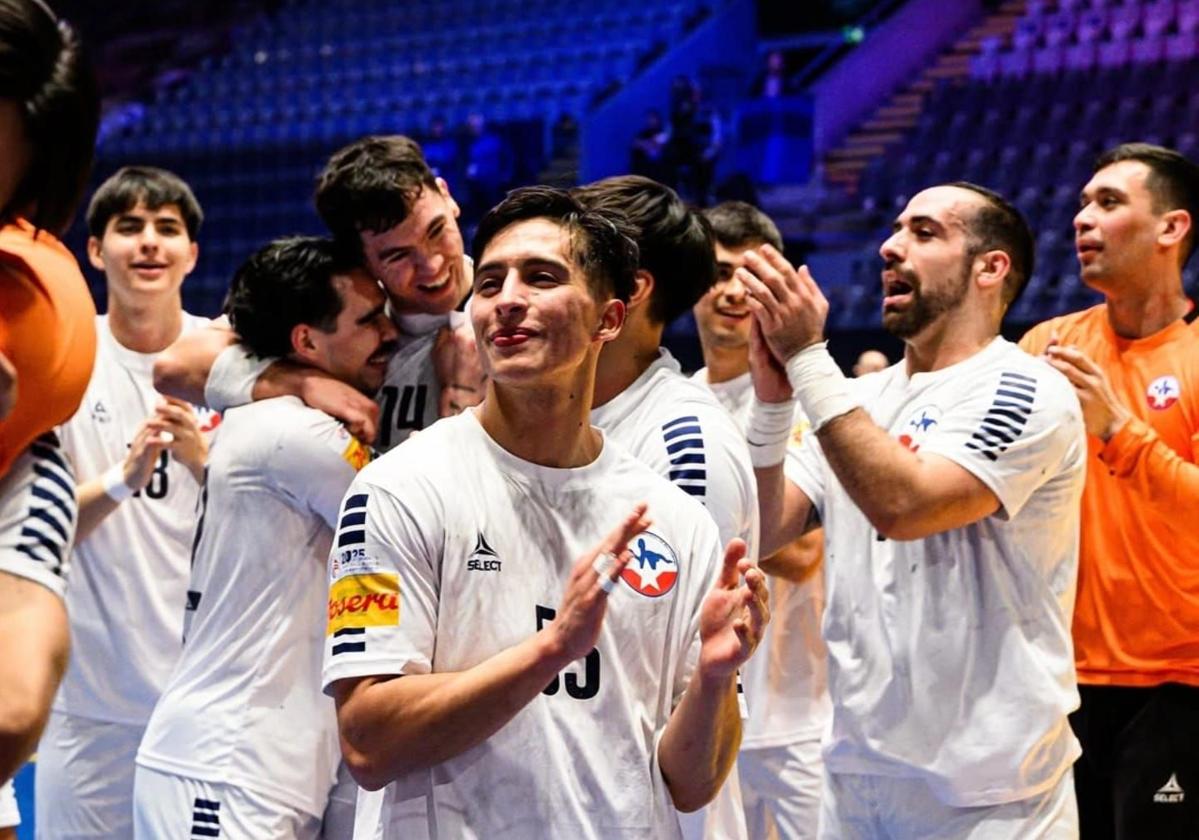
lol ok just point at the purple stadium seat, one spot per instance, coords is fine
(1080, 57)
(1027, 33)
(1188, 17)
(1048, 60)
(1059, 28)
(1114, 54)
(1181, 47)
(1123, 22)
(1148, 50)
(1158, 18)
(1015, 63)
(1091, 25)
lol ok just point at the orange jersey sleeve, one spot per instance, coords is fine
(48, 332)
(1136, 621)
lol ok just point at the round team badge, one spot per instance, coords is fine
(919, 426)
(1163, 392)
(654, 567)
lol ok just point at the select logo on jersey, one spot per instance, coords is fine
(99, 412)
(654, 567)
(356, 454)
(483, 558)
(1163, 392)
(1171, 793)
(919, 425)
(364, 601)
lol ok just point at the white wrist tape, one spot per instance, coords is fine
(231, 380)
(768, 431)
(821, 387)
(113, 482)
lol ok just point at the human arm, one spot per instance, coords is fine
(391, 725)
(905, 495)
(8, 386)
(182, 369)
(700, 743)
(459, 369)
(134, 472)
(798, 560)
(34, 644)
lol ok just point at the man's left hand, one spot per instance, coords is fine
(734, 615)
(787, 303)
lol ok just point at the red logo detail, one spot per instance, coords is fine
(1163, 392)
(653, 569)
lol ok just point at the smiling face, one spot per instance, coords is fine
(927, 261)
(533, 311)
(1116, 228)
(419, 261)
(144, 252)
(722, 315)
(363, 339)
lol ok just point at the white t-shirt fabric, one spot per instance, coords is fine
(453, 550)
(950, 657)
(10, 814)
(244, 705)
(129, 575)
(786, 680)
(38, 513)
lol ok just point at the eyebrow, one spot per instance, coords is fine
(917, 220)
(524, 264)
(372, 315)
(1100, 190)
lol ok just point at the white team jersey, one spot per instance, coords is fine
(129, 575)
(452, 550)
(408, 400)
(38, 514)
(677, 428)
(244, 705)
(950, 658)
(786, 680)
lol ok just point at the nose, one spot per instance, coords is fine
(734, 289)
(512, 300)
(428, 264)
(148, 240)
(890, 250)
(1083, 220)
(387, 328)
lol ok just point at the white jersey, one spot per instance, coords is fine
(786, 680)
(679, 430)
(950, 657)
(244, 706)
(129, 575)
(453, 550)
(38, 514)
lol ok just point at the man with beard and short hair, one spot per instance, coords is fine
(1134, 361)
(242, 743)
(948, 488)
(787, 684)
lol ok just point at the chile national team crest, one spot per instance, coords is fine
(1163, 392)
(919, 425)
(654, 567)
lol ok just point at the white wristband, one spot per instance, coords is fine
(767, 431)
(232, 377)
(112, 480)
(821, 387)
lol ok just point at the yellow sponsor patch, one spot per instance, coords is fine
(356, 454)
(799, 430)
(364, 601)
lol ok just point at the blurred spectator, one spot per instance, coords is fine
(489, 165)
(694, 141)
(774, 81)
(870, 361)
(649, 147)
(442, 151)
(565, 135)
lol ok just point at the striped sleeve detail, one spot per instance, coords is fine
(350, 640)
(351, 530)
(1006, 418)
(49, 525)
(684, 439)
(206, 818)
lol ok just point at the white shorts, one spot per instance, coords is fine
(781, 788)
(83, 778)
(721, 819)
(167, 806)
(871, 807)
(38, 514)
(343, 802)
(10, 815)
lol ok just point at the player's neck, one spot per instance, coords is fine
(145, 327)
(1143, 312)
(952, 338)
(624, 359)
(725, 363)
(547, 425)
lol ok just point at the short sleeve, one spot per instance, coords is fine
(322, 448)
(1012, 430)
(232, 376)
(384, 583)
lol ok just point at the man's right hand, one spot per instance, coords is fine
(144, 452)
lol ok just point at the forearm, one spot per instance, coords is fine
(1163, 479)
(782, 507)
(395, 726)
(34, 643)
(94, 506)
(797, 560)
(182, 369)
(701, 740)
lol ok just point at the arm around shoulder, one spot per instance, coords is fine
(182, 369)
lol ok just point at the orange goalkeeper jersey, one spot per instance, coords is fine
(47, 330)
(1136, 622)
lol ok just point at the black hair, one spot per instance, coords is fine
(43, 69)
(371, 185)
(738, 224)
(148, 185)
(998, 226)
(675, 241)
(1173, 181)
(284, 284)
(605, 253)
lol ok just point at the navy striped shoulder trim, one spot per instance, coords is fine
(1006, 418)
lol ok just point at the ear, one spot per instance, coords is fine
(305, 342)
(992, 269)
(444, 189)
(643, 288)
(93, 253)
(612, 317)
(193, 253)
(1173, 228)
